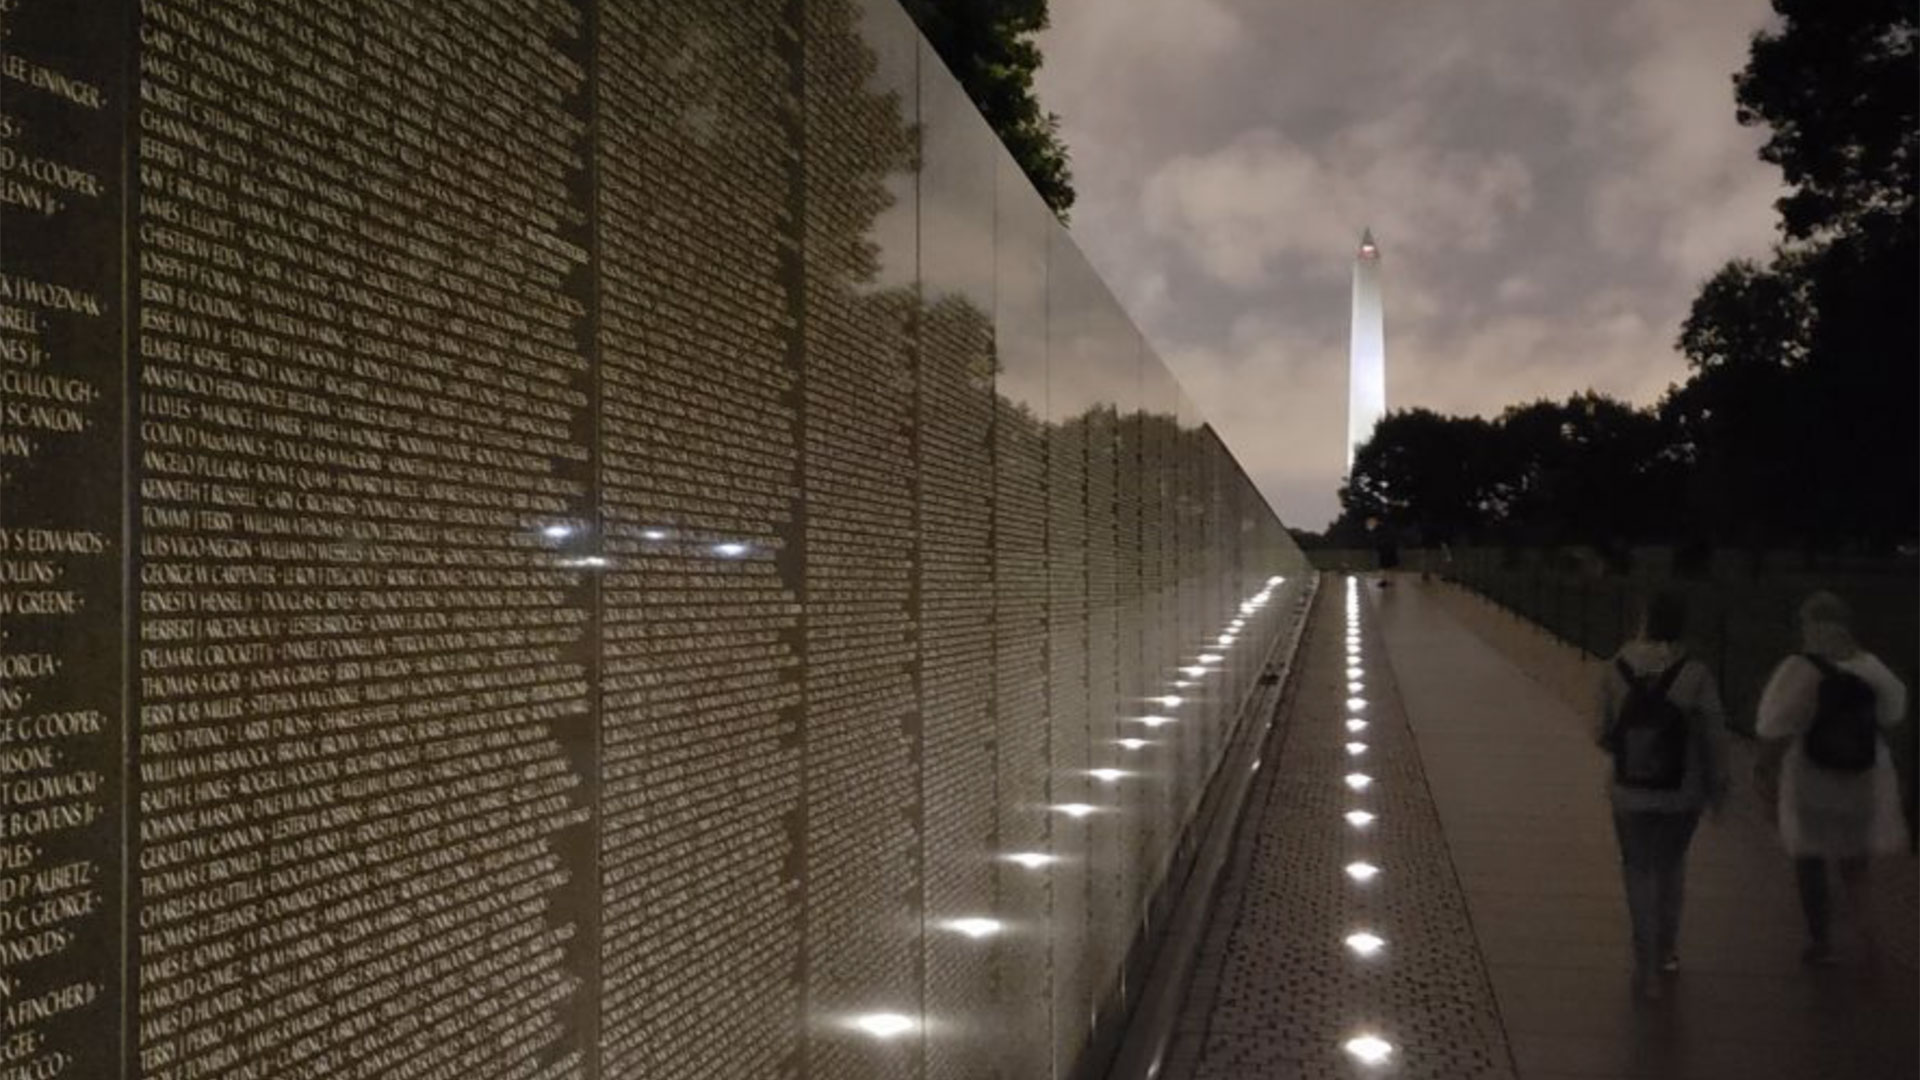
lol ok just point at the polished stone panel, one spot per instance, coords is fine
(1023, 228)
(561, 539)
(864, 817)
(364, 396)
(63, 647)
(1072, 404)
(699, 467)
(953, 426)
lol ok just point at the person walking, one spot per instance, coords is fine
(1827, 767)
(1661, 719)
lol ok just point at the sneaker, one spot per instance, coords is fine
(1818, 954)
(1671, 965)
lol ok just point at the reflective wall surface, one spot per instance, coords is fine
(566, 539)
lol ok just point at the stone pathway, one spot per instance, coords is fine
(1278, 991)
(1498, 898)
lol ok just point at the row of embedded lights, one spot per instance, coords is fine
(1364, 1046)
(888, 1025)
(726, 549)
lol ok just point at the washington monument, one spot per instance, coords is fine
(1367, 368)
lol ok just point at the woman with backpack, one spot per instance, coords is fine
(1662, 722)
(1827, 766)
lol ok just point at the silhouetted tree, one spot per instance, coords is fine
(1801, 414)
(1423, 473)
(1589, 470)
(989, 47)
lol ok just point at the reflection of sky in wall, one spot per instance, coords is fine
(895, 43)
(970, 227)
(958, 158)
(1023, 225)
(1549, 182)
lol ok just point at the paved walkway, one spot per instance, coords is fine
(1498, 898)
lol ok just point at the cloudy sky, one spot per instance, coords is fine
(1549, 181)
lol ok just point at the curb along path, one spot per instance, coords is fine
(1341, 945)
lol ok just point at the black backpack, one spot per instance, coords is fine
(1845, 733)
(1649, 738)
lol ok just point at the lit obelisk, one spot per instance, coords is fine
(1367, 370)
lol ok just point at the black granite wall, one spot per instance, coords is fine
(553, 538)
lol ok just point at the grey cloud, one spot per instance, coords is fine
(1549, 181)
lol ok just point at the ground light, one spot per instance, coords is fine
(1106, 775)
(1359, 819)
(1362, 871)
(1358, 781)
(1355, 704)
(1155, 721)
(1171, 701)
(1368, 1049)
(884, 1025)
(1076, 809)
(1356, 725)
(1032, 860)
(1355, 686)
(1355, 749)
(1365, 942)
(1132, 744)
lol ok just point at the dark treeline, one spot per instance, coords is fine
(1796, 425)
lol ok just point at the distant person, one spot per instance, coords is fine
(1662, 722)
(1827, 766)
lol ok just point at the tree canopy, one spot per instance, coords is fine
(989, 46)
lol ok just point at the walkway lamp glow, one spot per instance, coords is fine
(1131, 744)
(1365, 943)
(1356, 725)
(1354, 672)
(1362, 872)
(1355, 704)
(1106, 776)
(557, 531)
(1076, 810)
(1359, 781)
(1354, 686)
(1359, 819)
(1032, 860)
(1193, 671)
(1355, 749)
(1208, 658)
(1155, 721)
(1171, 701)
(1368, 1049)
